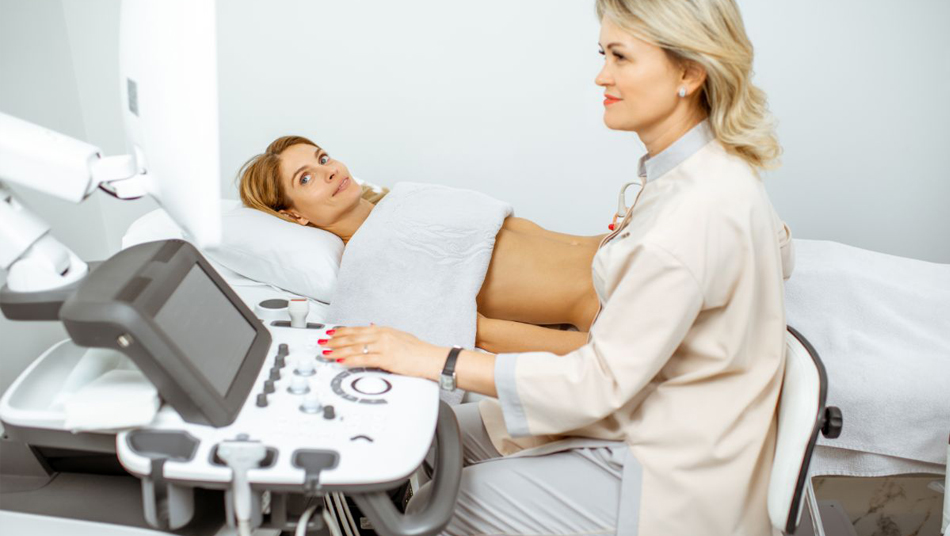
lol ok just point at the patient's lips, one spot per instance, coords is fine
(343, 185)
(610, 99)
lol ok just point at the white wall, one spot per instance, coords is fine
(861, 92)
(493, 96)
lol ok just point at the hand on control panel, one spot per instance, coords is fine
(388, 349)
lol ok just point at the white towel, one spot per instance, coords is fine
(418, 262)
(881, 325)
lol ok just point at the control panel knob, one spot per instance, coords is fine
(310, 404)
(262, 400)
(274, 374)
(269, 386)
(305, 367)
(299, 385)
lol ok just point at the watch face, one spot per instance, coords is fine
(447, 382)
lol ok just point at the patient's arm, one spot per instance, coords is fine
(500, 336)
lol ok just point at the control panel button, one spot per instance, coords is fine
(310, 404)
(299, 385)
(262, 400)
(269, 386)
(305, 367)
(371, 385)
(274, 374)
(351, 381)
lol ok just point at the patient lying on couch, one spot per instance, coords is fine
(535, 278)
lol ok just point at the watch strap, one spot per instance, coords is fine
(448, 371)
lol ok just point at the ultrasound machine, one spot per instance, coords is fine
(219, 402)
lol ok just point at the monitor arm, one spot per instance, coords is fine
(58, 165)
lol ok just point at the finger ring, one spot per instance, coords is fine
(365, 349)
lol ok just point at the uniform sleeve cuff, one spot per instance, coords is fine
(506, 385)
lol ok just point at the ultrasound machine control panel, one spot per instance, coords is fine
(250, 402)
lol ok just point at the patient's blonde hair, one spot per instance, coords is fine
(260, 185)
(710, 33)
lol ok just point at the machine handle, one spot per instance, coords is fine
(437, 513)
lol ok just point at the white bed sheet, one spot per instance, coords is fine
(845, 462)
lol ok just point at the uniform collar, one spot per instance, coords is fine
(656, 166)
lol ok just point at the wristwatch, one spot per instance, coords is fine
(447, 379)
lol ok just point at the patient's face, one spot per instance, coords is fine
(320, 188)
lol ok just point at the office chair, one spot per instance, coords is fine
(801, 415)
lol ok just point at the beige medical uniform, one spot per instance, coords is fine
(685, 359)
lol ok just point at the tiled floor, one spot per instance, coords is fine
(886, 506)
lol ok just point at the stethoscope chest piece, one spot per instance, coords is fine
(622, 204)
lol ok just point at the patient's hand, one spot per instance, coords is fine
(389, 349)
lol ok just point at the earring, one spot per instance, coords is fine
(682, 92)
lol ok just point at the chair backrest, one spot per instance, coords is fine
(801, 415)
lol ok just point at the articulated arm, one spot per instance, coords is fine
(57, 165)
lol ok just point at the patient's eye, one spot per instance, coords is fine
(305, 178)
(324, 158)
(620, 57)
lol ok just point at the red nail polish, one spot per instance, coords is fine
(327, 352)
(339, 360)
(323, 341)
(331, 331)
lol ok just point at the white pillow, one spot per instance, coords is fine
(301, 260)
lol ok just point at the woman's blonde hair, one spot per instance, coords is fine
(711, 34)
(260, 185)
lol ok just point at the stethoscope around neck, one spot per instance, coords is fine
(622, 204)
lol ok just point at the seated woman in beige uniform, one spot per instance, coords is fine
(535, 278)
(663, 423)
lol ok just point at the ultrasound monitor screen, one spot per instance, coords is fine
(211, 332)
